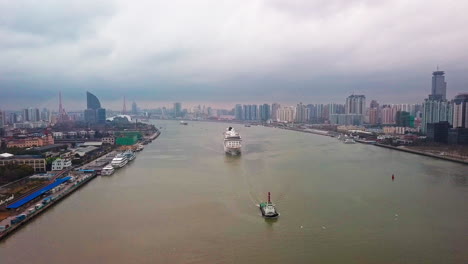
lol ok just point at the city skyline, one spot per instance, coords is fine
(226, 51)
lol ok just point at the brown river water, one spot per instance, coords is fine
(182, 200)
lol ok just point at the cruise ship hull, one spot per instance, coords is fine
(232, 151)
(120, 164)
(107, 172)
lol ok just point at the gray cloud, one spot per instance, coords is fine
(231, 50)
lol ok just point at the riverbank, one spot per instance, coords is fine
(404, 149)
(332, 134)
(32, 212)
(47, 196)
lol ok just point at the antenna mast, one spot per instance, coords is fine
(124, 110)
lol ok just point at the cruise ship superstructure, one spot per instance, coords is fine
(107, 170)
(119, 161)
(130, 155)
(232, 142)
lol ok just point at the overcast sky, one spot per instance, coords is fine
(222, 52)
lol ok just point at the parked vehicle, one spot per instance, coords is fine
(18, 219)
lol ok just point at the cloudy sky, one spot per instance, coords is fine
(222, 52)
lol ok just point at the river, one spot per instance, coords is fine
(182, 200)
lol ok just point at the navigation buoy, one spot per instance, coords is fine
(393, 177)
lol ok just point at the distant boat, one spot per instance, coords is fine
(349, 141)
(247, 125)
(365, 141)
(183, 123)
(268, 209)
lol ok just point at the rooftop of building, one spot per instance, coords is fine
(49, 147)
(7, 156)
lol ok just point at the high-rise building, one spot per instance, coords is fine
(265, 112)
(254, 112)
(247, 112)
(2, 119)
(460, 111)
(12, 118)
(35, 114)
(302, 113)
(439, 86)
(286, 114)
(45, 115)
(374, 116)
(436, 111)
(388, 115)
(274, 111)
(94, 113)
(134, 108)
(238, 112)
(403, 119)
(356, 104)
(90, 116)
(177, 110)
(92, 101)
(25, 115)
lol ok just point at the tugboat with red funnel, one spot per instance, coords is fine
(268, 209)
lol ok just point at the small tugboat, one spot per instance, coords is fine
(183, 123)
(268, 209)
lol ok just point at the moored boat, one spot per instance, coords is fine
(130, 155)
(107, 170)
(119, 161)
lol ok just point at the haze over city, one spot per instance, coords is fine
(225, 52)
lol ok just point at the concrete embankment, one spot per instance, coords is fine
(423, 153)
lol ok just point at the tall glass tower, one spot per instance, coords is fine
(439, 86)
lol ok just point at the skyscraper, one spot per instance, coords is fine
(439, 86)
(177, 110)
(265, 112)
(286, 114)
(92, 101)
(254, 112)
(247, 112)
(373, 116)
(25, 115)
(238, 112)
(2, 119)
(355, 104)
(302, 113)
(274, 111)
(436, 111)
(134, 108)
(94, 113)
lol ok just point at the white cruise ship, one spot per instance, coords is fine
(107, 170)
(232, 142)
(130, 155)
(119, 161)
